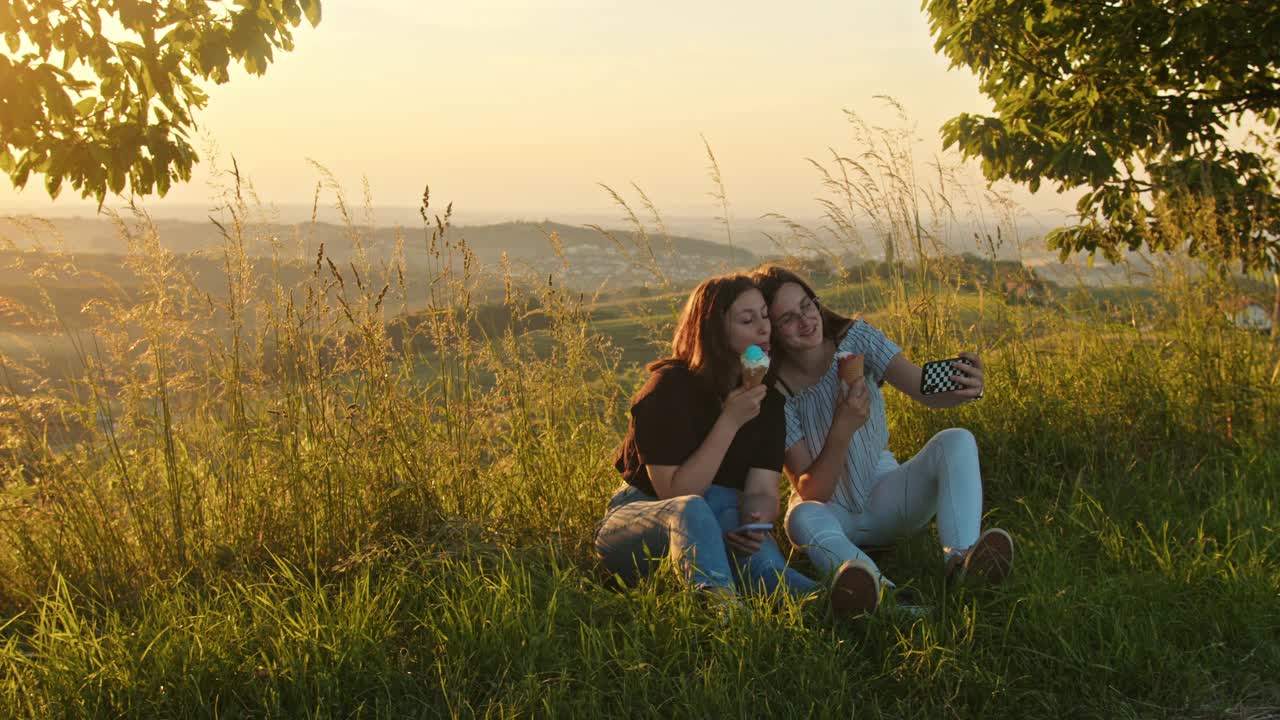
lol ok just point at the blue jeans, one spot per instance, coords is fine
(638, 530)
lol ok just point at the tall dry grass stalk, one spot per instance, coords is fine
(720, 195)
(648, 252)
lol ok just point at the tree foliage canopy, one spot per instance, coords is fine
(1166, 110)
(101, 94)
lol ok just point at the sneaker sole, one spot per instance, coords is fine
(854, 591)
(991, 559)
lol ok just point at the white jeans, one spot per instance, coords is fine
(942, 480)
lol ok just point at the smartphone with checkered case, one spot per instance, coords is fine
(935, 377)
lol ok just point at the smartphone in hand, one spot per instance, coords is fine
(936, 376)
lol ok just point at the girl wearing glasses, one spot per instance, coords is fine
(848, 488)
(702, 456)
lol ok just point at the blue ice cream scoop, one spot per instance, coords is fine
(755, 364)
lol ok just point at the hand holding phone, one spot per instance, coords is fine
(745, 540)
(935, 376)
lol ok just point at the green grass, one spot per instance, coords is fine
(305, 518)
(436, 629)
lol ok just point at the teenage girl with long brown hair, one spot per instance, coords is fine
(702, 456)
(848, 489)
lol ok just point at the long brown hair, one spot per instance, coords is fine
(700, 341)
(769, 279)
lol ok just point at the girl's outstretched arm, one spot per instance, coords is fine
(906, 375)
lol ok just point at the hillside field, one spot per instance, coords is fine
(308, 515)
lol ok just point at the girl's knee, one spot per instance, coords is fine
(804, 511)
(958, 461)
(691, 510)
(957, 441)
(803, 518)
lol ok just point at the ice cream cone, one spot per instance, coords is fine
(752, 377)
(849, 366)
(755, 365)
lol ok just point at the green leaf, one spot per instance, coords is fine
(214, 55)
(53, 184)
(311, 8)
(115, 179)
(293, 12)
(87, 105)
(69, 56)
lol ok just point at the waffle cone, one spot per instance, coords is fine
(850, 368)
(752, 377)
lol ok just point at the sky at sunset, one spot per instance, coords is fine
(521, 108)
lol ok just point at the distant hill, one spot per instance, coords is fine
(520, 240)
(528, 238)
(594, 260)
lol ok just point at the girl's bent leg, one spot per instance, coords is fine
(942, 479)
(767, 570)
(636, 534)
(816, 527)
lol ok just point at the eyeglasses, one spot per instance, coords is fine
(807, 308)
